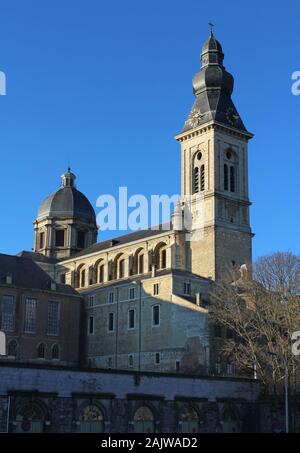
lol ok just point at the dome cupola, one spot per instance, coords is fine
(66, 221)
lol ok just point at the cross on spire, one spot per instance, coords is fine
(211, 27)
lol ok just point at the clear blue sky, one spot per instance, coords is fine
(107, 85)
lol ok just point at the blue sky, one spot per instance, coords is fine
(107, 85)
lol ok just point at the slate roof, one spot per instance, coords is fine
(35, 256)
(125, 239)
(27, 274)
(213, 87)
(67, 202)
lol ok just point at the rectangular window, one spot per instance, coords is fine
(59, 238)
(155, 315)
(187, 288)
(80, 239)
(42, 240)
(53, 317)
(91, 301)
(230, 369)
(131, 319)
(91, 325)
(109, 362)
(130, 361)
(30, 315)
(111, 297)
(8, 309)
(156, 289)
(62, 278)
(157, 358)
(111, 322)
(131, 293)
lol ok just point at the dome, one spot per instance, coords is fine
(212, 45)
(213, 76)
(67, 202)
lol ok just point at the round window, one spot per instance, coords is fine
(229, 154)
(199, 155)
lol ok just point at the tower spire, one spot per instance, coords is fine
(213, 87)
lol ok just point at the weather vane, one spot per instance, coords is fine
(211, 27)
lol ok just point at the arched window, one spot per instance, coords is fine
(91, 275)
(55, 352)
(91, 420)
(141, 263)
(189, 421)
(230, 421)
(232, 179)
(101, 273)
(30, 418)
(41, 351)
(163, 259)
(225, 177)
(118, 266)
(82, 278)
(202, 178)
(160, 256)
(198, 172)
(121, 268)
(143, 420)
(137, 262)
(12, 348)
(196, 179)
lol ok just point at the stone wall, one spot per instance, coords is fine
(182, 323)
(59, 397)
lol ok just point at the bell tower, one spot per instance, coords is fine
(214, 172)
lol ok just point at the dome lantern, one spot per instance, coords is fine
(68, 179)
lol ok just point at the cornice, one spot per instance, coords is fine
(188, 135)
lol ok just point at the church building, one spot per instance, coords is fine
(146, 293)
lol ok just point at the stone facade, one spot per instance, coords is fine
(70, 400)
(136, 342)
(173, 267)
(146, 294)
(225, 239)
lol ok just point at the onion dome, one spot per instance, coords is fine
(213, 87)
